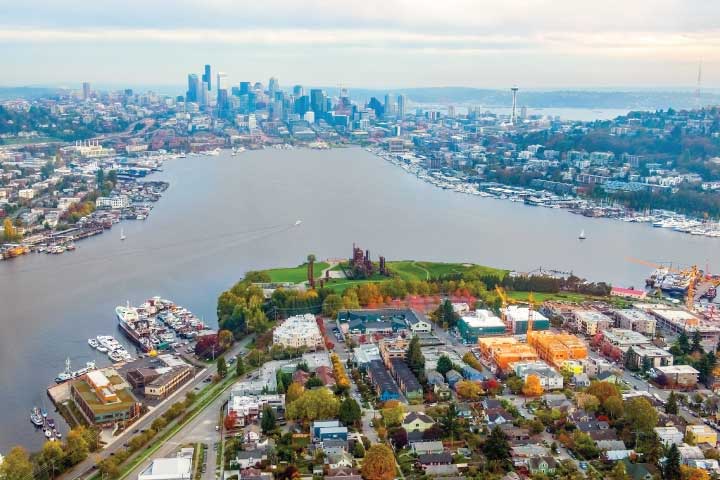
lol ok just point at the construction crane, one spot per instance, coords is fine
(693, 274)
(505, 301)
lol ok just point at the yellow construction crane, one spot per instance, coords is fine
(693, 274)
(505, 300)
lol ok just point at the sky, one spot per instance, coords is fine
(546, 44)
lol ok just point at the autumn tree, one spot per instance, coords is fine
(587, 402)
(9, 231)
(16, 465)
(51, 458)
(76, 446)
(313, 405)
(514, 383)
(332, 304)
(379, 463)
(225, 339)
(613, 406)
(640, 415)
(468, 390)
(619, 472)
(532, 386)
(230, 421)
(393, 413)
(693, 473)
(294, 391)
(603, 390)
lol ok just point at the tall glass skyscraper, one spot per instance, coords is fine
(193, 90)
(207, 77)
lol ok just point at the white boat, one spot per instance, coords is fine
(298, 222)
(48, 433)
(122, 234)
(582, 235)
(93, 342)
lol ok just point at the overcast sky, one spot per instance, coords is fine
(368, 43)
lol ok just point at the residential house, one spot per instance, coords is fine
(247, 459)
(429, 459)
(545, 465)
(701, 434)
(424, 448)
(417, 422)
(339, 460)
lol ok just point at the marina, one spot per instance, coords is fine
(676, 222)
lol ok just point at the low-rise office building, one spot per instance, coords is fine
(483, 324)
(104, 397)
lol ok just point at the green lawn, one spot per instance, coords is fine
(414, 270)
(296, 274)
(28, 141)
(561, 296)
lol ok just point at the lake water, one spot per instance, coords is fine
(225, 215)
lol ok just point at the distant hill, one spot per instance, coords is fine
(640, 99)
(28, 93)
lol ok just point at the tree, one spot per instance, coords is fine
(671, 468)
(444, 364)
(614, 407)
(468, 390)
(696, 339)
(640, 414)
(16, 465)
(603, 390)
(588, 402)
(314, 382)
(230, 421)
(239, 366)
(450, 422)
(51, 458)
(379, 463)
(445, 314)
(9, 231)
(399, 437)
(332, 304)
(393, 413)
(415, 358)
(109, 468)
(358, 450)
(671, 407)
(619, 472)
(349, 412)
(693, 473)
(532, 386)
(314, 405)
(584, 445)
(535, 426)
(683, 343)
(267, 422)
(225, 339)
(294, 391)
(221, 367)
(76, 446)
(497, 449)
(515, 384)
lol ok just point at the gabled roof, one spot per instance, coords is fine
(413, 416)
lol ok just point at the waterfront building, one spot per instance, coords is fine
(120, 201)
(158, 383)
(517, 318)
(103, 397)
(298, 331)
(483, 324)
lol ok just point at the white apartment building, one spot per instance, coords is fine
(112, 202)
(298, 331)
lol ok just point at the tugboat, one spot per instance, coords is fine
(36, 417)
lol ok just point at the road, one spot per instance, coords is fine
(87, 467)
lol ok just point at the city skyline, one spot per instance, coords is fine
(370, 45)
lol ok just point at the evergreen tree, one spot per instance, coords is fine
(415, 358)
(497, 449)
(671, 407)
(267, 422)
(445, 314)
(683, 343)
(450, 422)
(671, 469)
(349, 412)
(221, 367)
(696, 339)
(444, 364)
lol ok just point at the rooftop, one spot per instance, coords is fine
(483, 319)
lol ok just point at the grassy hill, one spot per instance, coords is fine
(295, 274)
(415, 270)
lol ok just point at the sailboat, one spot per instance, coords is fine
(582, 235)
(122, 234)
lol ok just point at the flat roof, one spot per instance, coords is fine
(483, 321)
(677, 369)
